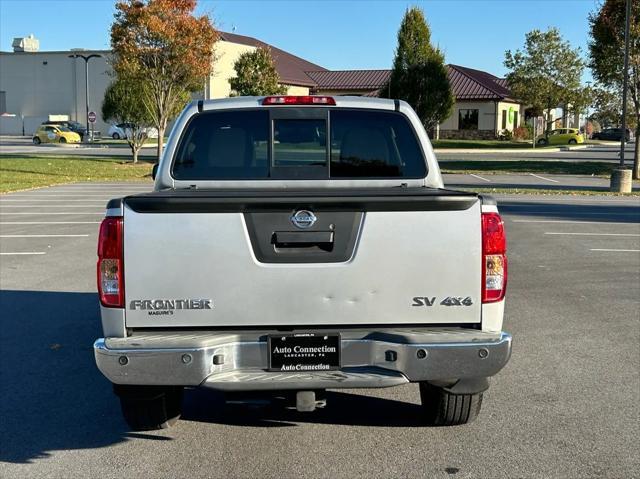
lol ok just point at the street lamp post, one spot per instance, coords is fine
(86, 59)
(620, 176)
(586, 116)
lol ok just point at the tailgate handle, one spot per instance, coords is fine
(296, 239)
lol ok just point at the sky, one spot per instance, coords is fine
(335, 34)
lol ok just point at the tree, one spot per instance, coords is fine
(606, 54)
(608, 108)
(546, 73)
(162, 44)
(256, 75)
(123, 103)
(419, 75)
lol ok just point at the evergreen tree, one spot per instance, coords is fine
(419, 74)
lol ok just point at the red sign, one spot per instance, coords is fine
(92, 117)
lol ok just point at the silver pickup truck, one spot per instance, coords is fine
(299, 244)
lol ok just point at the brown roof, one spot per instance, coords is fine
(466, 83)
(290, 67)
(349, 79)
(470, 84)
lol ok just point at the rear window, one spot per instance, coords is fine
(374, 144)
(294, 143)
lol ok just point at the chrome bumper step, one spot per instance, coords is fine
(239, 361)
(266, 380)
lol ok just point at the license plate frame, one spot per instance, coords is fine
(288, 358)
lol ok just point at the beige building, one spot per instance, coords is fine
(35, 85)
(230, 46)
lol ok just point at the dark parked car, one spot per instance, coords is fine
(74, 126)
(612, 134)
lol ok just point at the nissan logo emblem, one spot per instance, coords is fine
(303, 219)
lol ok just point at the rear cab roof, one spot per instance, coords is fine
(164, 179)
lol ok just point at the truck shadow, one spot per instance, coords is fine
(343, 408)
(53, 397)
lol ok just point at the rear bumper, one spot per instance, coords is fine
(238, 361)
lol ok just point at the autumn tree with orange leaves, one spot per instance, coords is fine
(162, 44)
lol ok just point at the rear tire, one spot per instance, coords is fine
(147, 408)
(573, 142)
(115, 136)
(36, 140)
(542, 142)
(442, 408)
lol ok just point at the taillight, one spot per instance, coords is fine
(111, 262)
(298, 100)
(494, 258)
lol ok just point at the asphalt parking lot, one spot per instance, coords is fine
(565, 406)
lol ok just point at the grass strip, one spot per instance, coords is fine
(21, 173)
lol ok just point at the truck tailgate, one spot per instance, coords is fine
(226, 259)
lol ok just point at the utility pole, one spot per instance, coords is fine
(621, 177)
(625, 82)
(86, 59)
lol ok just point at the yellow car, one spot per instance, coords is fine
(55, 134)
(561, 136)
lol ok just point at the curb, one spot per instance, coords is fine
(508, 151)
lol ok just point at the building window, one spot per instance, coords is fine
(515, 120)
(3, 102)
(504, 119)
(468, 119)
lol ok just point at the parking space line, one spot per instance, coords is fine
(569, 222)
(543, 178)
(480, 177)
(44, 236)
(572, 214)
(49, 222)
(71, 195)
(47, 200)
(53, 213)
(616, 250)
(593, 234)
(598, 200)
(22, 253)
(46, 206)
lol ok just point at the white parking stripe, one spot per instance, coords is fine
(480, 177)
(616, 250)
(23, 253)
(509, 205)
(574, 222)
(593, 234)
(49, 222)
(94, 190)
(571, 214)
(43, 236)
(49, 201)
(52, 213)
(46, 206)
(69, 195)
(543, 178)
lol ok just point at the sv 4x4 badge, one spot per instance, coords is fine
(448, 301)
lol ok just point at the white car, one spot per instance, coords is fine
(119, 131)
